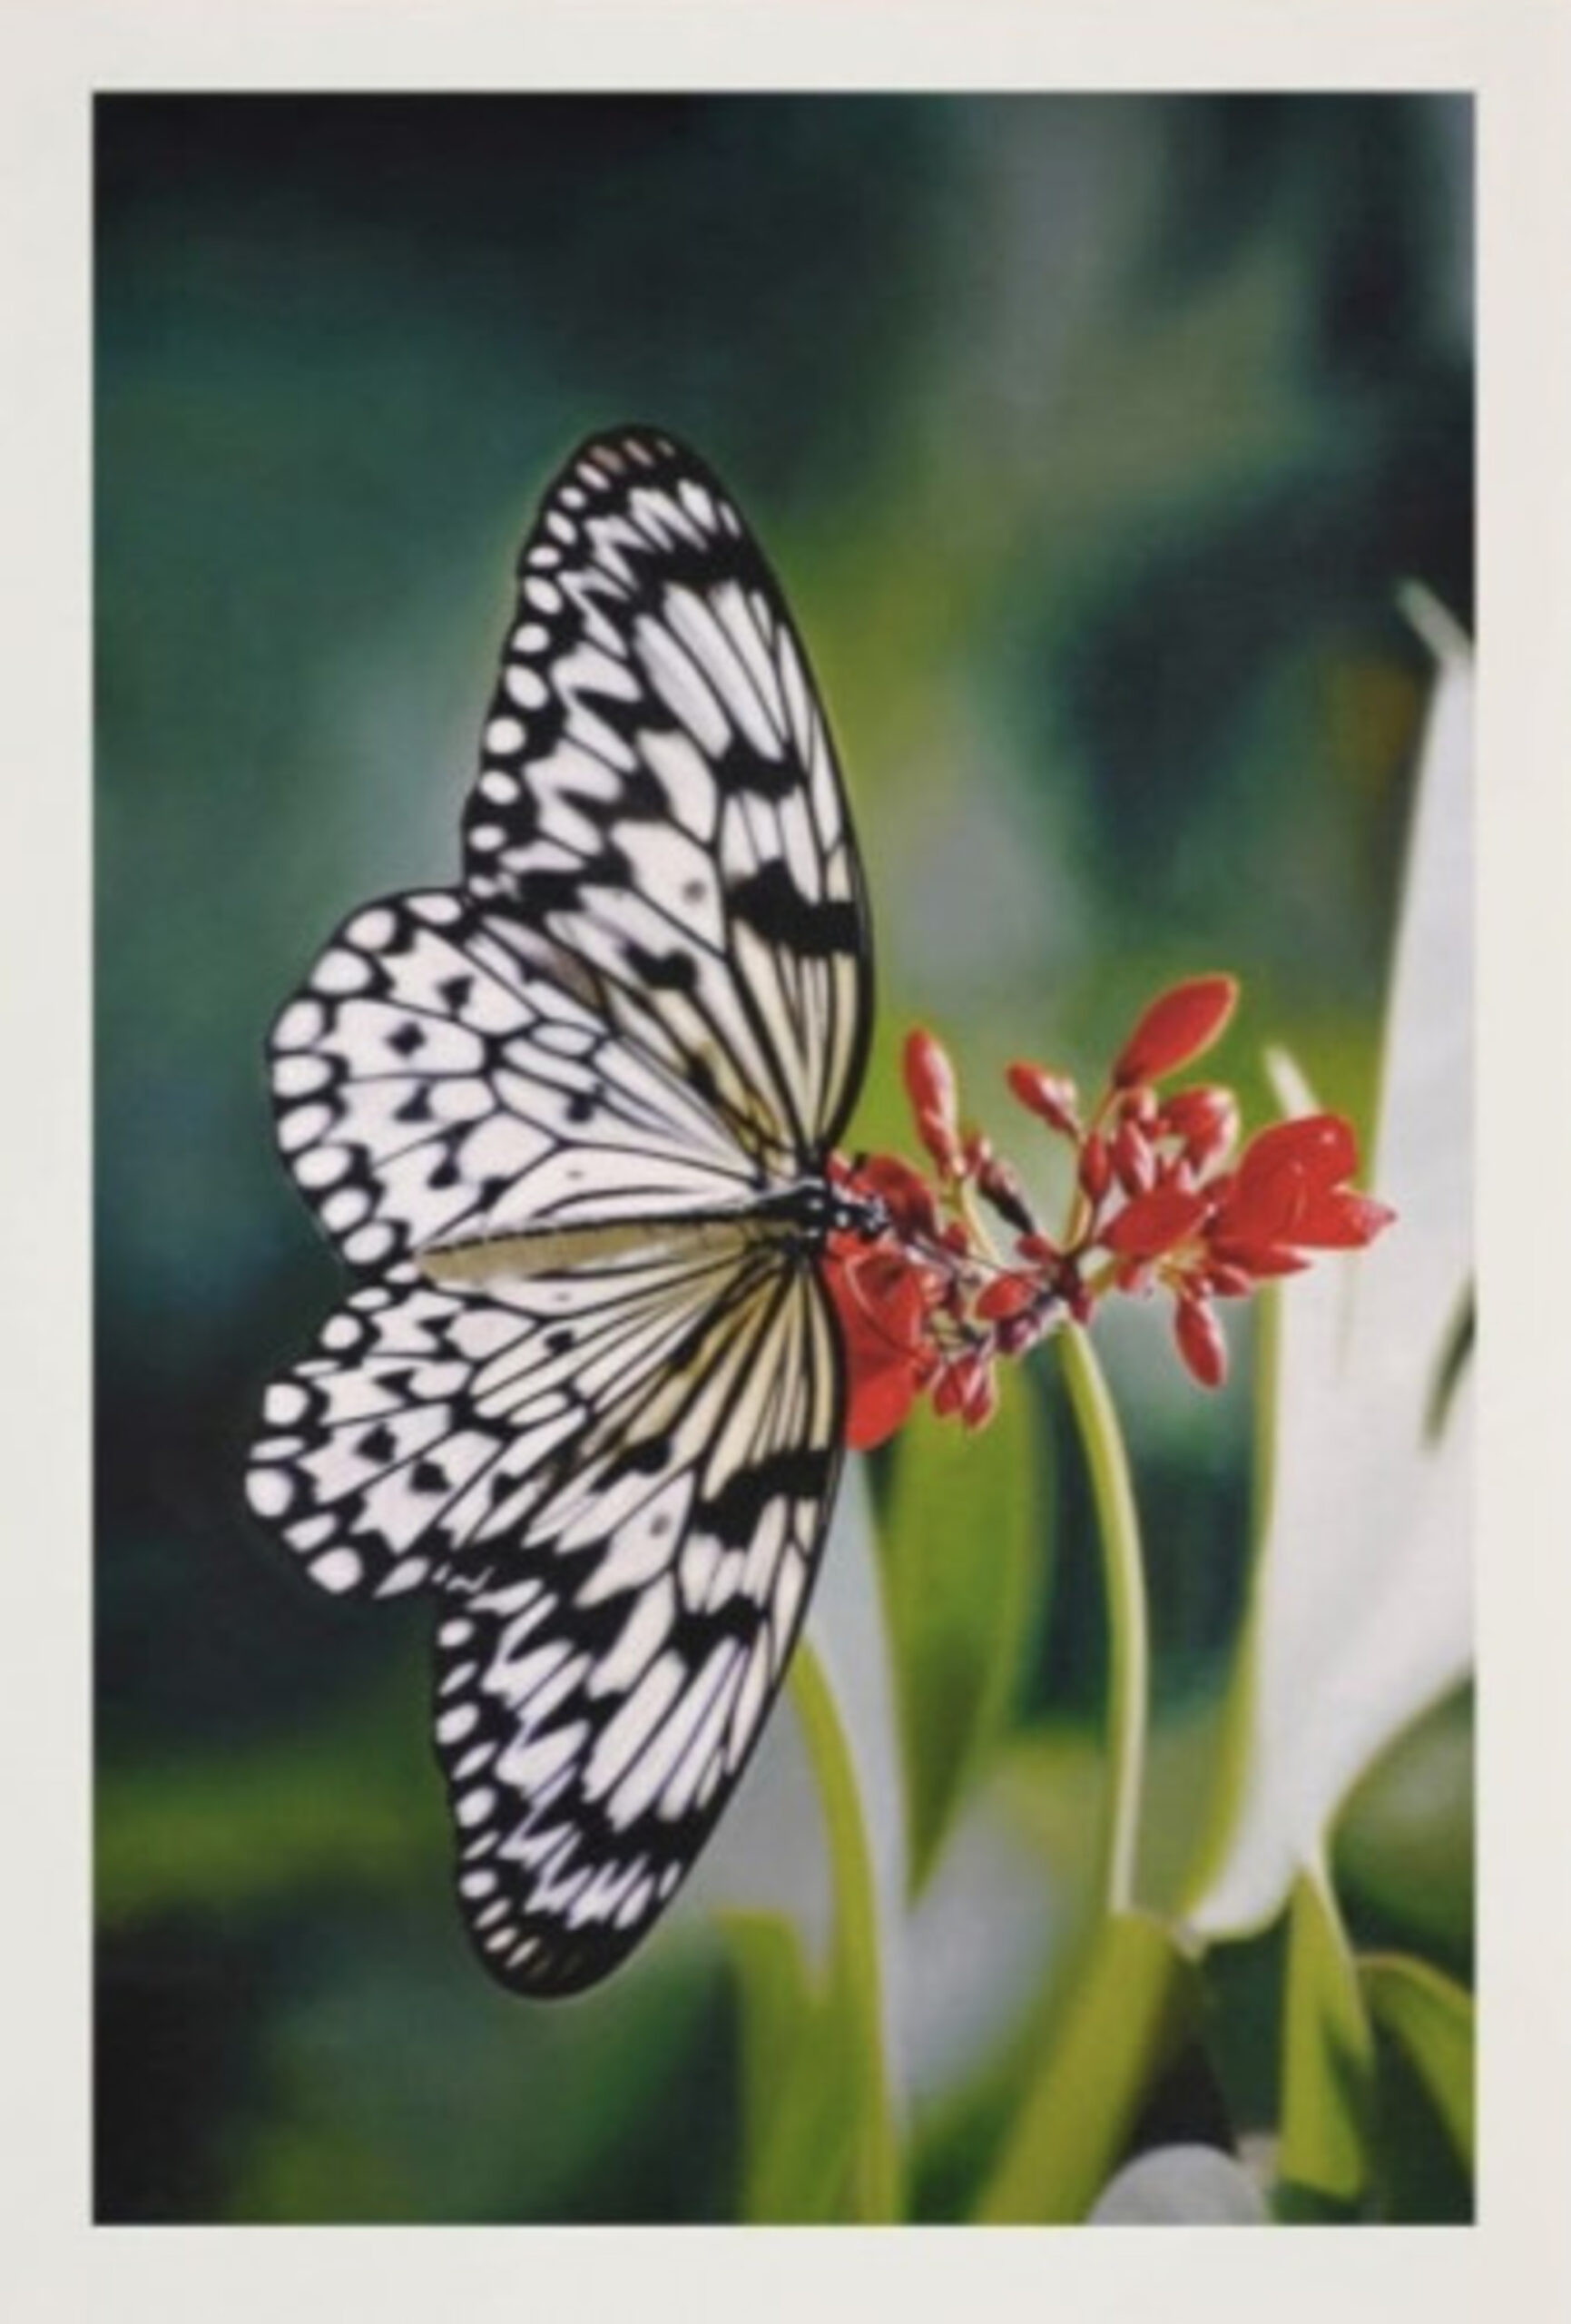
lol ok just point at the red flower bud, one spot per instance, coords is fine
(1072, 1290)
(1200, 1341)
(1002, 1185)
(1134, 1163)
(946, 1390)
(1178, 1025)
(1016, 1333)
(1204, 1119)
(977, 1387)
(1095, 1166)
(1007, 1295)
(930, 1085)
(1051, 1096)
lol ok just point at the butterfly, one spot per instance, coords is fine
(569, 1121)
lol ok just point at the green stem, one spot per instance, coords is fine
(1128, 2000)
(1124, 1581)
(857, 1981)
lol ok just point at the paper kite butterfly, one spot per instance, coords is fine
(569, 1121)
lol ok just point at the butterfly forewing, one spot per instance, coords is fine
(611, 1456)
(659, 792)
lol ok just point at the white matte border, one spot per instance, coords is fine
(1515, 54)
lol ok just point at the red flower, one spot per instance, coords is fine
(882, 1299)
(929, 1306)
(1288, 1196)
(1156, 1223)
(1178, 1025)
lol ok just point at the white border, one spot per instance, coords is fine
(1514, 54)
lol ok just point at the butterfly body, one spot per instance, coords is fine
(569, 1122)
(799, 1218)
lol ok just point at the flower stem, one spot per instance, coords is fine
(858, 1989)
(1124, 1581)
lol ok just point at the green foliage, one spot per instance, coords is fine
(1402, 1850)
(1430, 2018)
(963, 1561)
(1327, 2064)
(1131, 2002)
(254, 1827)
(819, 2137)
(800, 2099)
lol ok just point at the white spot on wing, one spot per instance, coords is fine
(338, 1570)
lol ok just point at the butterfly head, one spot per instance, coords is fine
(817, 1208)
(864, 1216)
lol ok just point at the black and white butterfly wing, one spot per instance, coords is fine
(653, 993)
(659, 794)
(648, 1003)
(431, 1081)
(620, 1478)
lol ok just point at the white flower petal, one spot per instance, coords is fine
(1363, 1608)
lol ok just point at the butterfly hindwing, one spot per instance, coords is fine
(597, 1701)
(619, 1479)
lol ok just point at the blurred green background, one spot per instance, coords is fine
(1091, 438)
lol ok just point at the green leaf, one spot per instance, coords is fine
(797, 2081)
(1327, 2059)
(1403, 1848)
(1430, 2017)
(1127, 2011)
(964, 1566)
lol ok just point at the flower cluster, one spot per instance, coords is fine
(1158, 1203)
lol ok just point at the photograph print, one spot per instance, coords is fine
(783, 1115)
